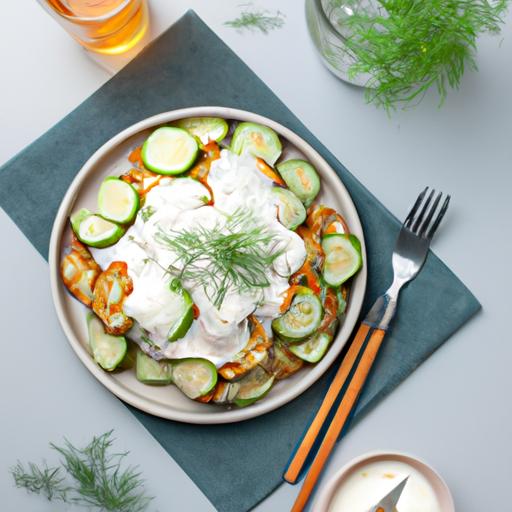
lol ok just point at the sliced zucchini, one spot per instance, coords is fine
(169, 150)
(108, 351)
(225, 392)
(284, 363)
(118, 201)
(258, 140)
(194, 376)
(342, 258)
(302, 318)
(184, 312)
(301, 178)
(206, 129)
(94, 230)
(149, 371)
(77, 217)
(254, 386)
(291, 211)
(313, 349)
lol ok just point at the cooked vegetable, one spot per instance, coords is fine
(253, 354)
(169, 150)
(95, 231)
(152, 372)
(284, 363)
(194, 376)
(225, 392)
(302, 319)
(313, 349)
(301, 178)
(79, 272)
(77, 217)
(322, 220)
(291, 211)
(111, 289)
(258, 140)
(269, 172)
(108, 351)
(342, 258)
(184, 314)
(205, 129)
(254, 386)
(118, 201)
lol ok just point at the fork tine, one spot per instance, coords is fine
(439, 217)
(418, 221)
(410, 217)
(426, 222)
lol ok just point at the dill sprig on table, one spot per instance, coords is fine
(411, 45)
(230, 257)
(97, 478)
(256, 19)
(41, 480)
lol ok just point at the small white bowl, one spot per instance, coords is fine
(326, 494)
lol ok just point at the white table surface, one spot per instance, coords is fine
(454, 411)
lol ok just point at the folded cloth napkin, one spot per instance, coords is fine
(236, 465)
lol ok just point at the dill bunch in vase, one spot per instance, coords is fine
(399, 49)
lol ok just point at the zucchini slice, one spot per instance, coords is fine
(118, 201)
(194, 376)
(169, 150)
(258, 140)
(77, 217)
(254, 386)
(313, 349)
(301, 178)
(342, 258)
(94, 230)
(302, 318)
(184, 312)
(284, 363)
(108, 351)
(291, 211)
(206, 129)
(149, 371)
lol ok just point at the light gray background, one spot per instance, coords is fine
(454, 411)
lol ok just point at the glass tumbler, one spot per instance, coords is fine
(104, 26)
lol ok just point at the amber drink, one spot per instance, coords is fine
(103, 26)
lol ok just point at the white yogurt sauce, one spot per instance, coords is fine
(179, 204)
(370, 483)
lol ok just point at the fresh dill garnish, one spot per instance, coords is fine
(230, 257)
(147, 212)
(257, 19)
(407, 46)
(41, 480)
(97, 478)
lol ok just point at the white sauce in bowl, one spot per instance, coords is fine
(367, 484)
(180, 204)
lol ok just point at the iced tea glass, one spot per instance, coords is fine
(104, 26)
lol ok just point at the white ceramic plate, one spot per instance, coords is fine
(168, 401)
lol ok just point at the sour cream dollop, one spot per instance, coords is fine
(181, 204)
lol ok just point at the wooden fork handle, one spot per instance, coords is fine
(343, 411)
(299, 458)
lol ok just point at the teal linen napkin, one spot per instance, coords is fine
(237, 465)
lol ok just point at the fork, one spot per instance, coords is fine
(409, 255)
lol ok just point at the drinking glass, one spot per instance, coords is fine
(104, 26)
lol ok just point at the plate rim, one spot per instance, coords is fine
(133, 398)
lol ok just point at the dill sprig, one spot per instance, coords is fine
(230, 257)
(257, 19)
(41, 480)
(98, 478)
(407, 46)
